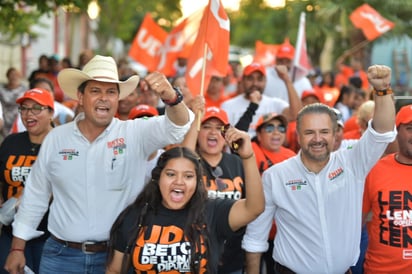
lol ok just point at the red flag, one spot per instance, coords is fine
(301, 62)
(265, 54)
(179, 43)
(146, 44)
(370, 22)
(214, 35)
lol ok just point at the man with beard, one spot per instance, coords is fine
(253, 103)
(315, 197)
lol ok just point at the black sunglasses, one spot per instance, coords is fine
(271, 128)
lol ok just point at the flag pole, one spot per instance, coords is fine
(296, 58)
(353, 49)
(202, 82)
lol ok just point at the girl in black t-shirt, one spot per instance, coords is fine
(172, 226)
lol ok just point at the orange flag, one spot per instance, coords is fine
(179, 42)
(265, 54)
(147, 43)
(214, 36)
(370, 22)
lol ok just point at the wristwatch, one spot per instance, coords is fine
(177, 100)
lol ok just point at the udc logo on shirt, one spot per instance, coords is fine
(68, 154)
(296, 184)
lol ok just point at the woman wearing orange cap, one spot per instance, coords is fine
(17, 155)
(225, 173)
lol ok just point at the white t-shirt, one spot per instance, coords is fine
(275, 87)
(237, 106)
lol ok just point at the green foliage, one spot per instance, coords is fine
(122, 18)
(324, 18)
(17, 17)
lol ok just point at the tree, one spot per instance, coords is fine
(17, 16)
(122, 18)
(329, 31)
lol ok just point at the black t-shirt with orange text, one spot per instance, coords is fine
(17, 156)
(163, 248)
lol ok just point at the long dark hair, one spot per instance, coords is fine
(148, 201)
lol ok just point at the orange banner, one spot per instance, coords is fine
(145, 48)
(370, 22)
(214, 36)
(265, 54)
(179, 43)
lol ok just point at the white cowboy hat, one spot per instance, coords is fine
(99, 68)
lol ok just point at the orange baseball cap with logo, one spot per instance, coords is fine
(308, 92)
(39, 95)
(248, 70)
(404, 115)
(142, 110)
(285, 50)
(215, 112)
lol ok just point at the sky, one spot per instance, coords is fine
(190, 6)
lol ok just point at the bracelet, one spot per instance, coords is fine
(383, 92)
(176, 100)
(16, 249)
(248, 157)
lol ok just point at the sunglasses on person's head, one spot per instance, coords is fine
(269, 128)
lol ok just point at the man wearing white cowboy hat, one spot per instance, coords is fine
(92, 168)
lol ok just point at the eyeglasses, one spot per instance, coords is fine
(271, 128)
(36, 109)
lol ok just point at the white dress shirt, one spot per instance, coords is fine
(318, 216)
(90, 183)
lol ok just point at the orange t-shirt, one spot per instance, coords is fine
(351, 124)
(291, 137)
(388, 195)
(353, 134)
(215, 103)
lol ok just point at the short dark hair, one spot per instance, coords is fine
(318, 108)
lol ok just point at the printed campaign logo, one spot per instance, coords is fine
(118, 145)
(335, 174)
(165, 249)
(69, 153)
(296, 184)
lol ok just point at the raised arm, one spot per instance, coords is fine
(198, 107)
(379, 77)
(244, 122)
(295, 104)
(246, 210)
(176, 109)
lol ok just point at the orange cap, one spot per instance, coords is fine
(215, 112)
(269, 117)
(142, 110)
(307, 93)
(39, 95)
(248, 70)
(404, 115)
(285, 50)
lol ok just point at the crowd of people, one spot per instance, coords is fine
(108, 171)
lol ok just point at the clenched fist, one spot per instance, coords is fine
(379, 77)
